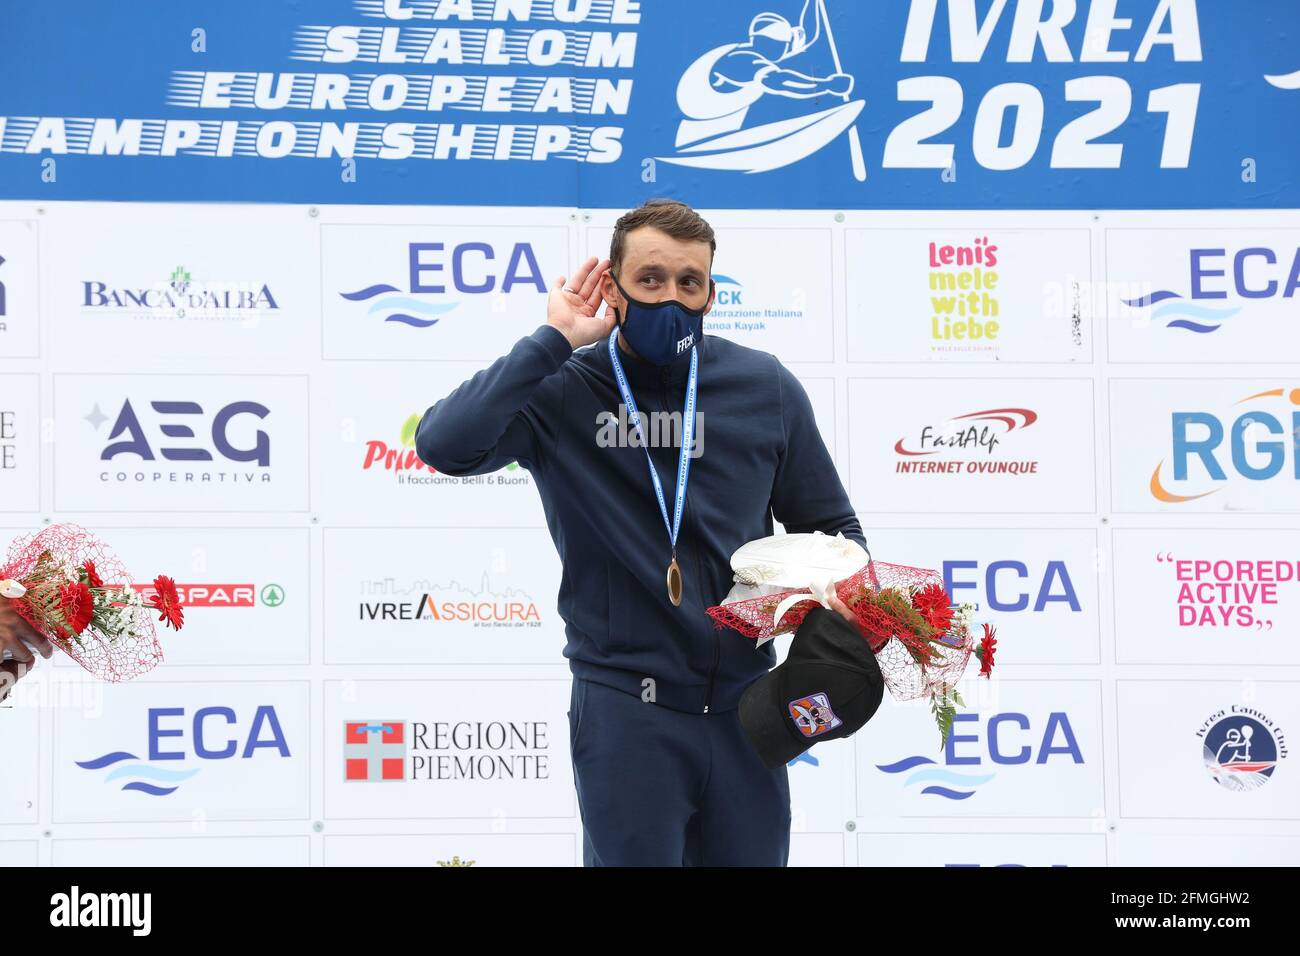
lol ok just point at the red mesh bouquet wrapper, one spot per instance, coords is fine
(921, 641)
(912, 666)
(89, 611)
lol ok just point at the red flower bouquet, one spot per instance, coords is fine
(56, 580)
(921, 642)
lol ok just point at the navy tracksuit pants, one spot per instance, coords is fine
(660, 787)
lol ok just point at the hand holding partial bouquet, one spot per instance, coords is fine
(921, 642)
(74, 594)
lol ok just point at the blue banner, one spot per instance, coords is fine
(600, 103)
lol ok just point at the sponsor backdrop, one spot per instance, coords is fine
(1037, 265)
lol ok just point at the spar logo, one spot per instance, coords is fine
(1004, 740)
(221, 595)
(761, 101)
(438, 279)
(178, 746)
(1221, 283)
(206, 435)
(179, 296)
(1241, 747)
(966, 443)
(1252, 443)
(374, 750)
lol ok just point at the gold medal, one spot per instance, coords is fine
(675, 583)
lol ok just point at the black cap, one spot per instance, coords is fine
(828, 686)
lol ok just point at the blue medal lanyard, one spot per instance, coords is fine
(688, 434)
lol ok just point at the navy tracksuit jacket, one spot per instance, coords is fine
(762, 457)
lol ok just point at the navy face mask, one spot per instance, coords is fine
(660, 332)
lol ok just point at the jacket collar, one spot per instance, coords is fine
(641, 373)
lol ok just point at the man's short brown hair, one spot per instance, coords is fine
(668, 216)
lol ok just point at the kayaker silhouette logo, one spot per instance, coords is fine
(761, 104)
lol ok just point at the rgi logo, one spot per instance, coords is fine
(1254, 445)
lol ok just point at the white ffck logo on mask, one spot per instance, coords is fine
(685, 343)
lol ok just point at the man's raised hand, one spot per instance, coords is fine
(574, 312)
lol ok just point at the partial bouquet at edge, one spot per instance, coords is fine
(921, 641)
(71, 588)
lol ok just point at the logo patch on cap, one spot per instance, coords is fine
(813, 715)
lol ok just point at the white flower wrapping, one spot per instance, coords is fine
(811, 561)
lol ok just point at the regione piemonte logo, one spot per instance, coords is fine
(374, 750)
(757, 104)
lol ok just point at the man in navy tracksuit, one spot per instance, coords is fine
(664, 773)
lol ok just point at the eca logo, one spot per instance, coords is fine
(1216, 275)
(472, 268)
(435, 268)
(1003, 740)
(1010, 739)
(214, 734)
(1011, 586)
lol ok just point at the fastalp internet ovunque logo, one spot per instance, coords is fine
(967, 443)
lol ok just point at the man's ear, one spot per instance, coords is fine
(609, 292)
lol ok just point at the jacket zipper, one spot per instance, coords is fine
(717, 646)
